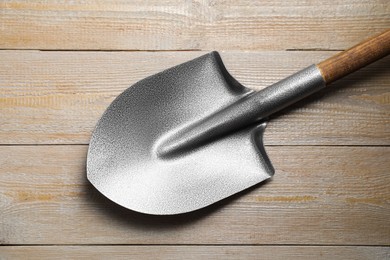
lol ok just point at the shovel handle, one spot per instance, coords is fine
(357, 57)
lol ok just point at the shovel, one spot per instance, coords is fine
(191, 135)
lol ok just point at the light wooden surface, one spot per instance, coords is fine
(184, 25)
(198, 252)
(319, 195)
(329, 198)
(57, 97)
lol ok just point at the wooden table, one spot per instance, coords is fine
(62, 64)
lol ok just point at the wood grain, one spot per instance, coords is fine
(57, 97)
(196, 252)
(325, 202)
(355, 58)
(319, 195)
(183, 25)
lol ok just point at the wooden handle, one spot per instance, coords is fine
(355, 58)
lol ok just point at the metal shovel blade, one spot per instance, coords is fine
(123, 162)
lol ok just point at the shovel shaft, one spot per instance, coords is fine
(355, 58)
(249, 109)
(255, 107)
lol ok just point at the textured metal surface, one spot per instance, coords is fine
(128, 160)
(251, 108)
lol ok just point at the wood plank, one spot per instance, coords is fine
(57, 97)
(319, 195)
(183, 25)
(196, 252)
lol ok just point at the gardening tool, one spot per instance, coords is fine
(191, 135)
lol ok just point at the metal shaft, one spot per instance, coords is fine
(250, 109)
